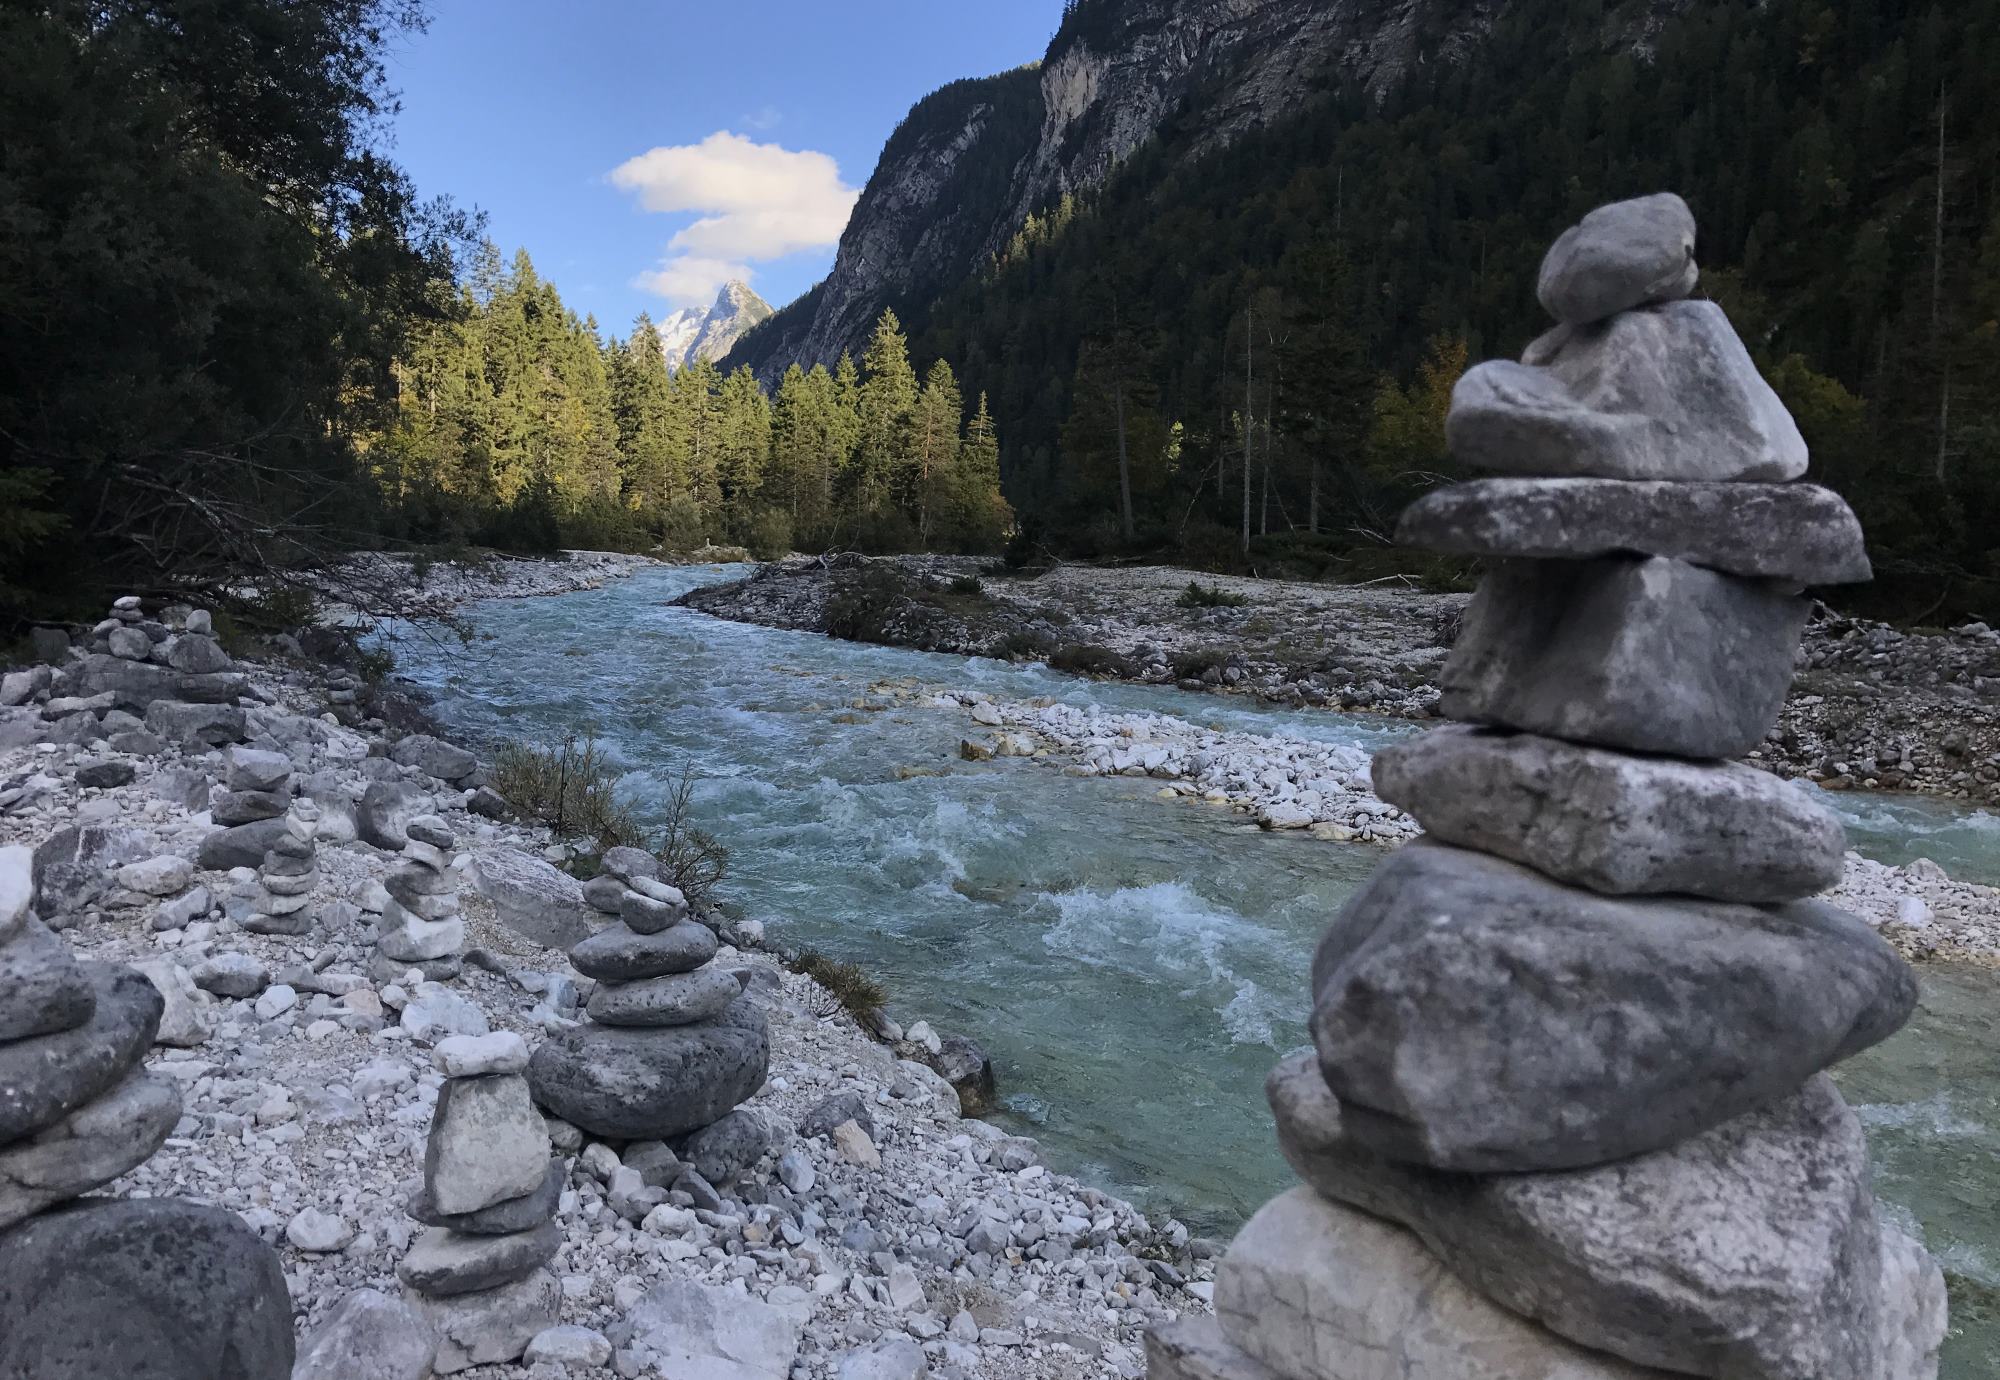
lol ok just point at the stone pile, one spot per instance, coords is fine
(95, 1286)
(171, 669)
(489, 1195)
(253, 809)
(672, 1043)
(1565, 1114)
(420, 926)
(288, 874)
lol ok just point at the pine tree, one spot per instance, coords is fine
(884, 451)
(935, 439)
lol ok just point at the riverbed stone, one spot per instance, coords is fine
(676, 999)
(510, 1215)
(1620, 256)
(1800, 533)
(487, 1144)
(630, 1083)
(1473, 1015)
(444, 1262)
(411, 939)
(1665, 392)
(1318, 1291)
(618, 953)
(368, 1336)
(246, 807)
(1752, 1249)
(434, 757)
(17, 889)
(1613, 822)
(256, 769)
(88, 1148)
(241, 845)
(46, 1078)
(726, 1150)
(1650, 655)
(707, 1330)
(532, 897)
(43, 989)
(142, 1289)
(207, 724)
(627, 864)
(75, 866)
(492, 1327)
(648, 914)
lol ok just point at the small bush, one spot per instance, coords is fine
(860, 994)
(375, 664)
(690, 858)
(966, 584)
(769, 537)
(572, 788)
(1201, 596)
(1023, 646)
(1087, 658)
(860, 611)
(1193, 665)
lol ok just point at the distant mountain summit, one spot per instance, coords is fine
(693, 333)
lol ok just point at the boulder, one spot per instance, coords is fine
(240, 845)
(132, 684)
(368, 1336)
(434, 757)
(1752, 1249)
(88, 1148)
(713, 1333)
(533, 898)
(638, 1084)
(46, 1078)
(1650, 655)
(728, 1149)
(43, 989)
(196, 725)
(678, 999)
(444, 1262)
(1799, 533)
(1317, 1291)
(618, 953)
(1624, 255)
(1665, 392)
(196, 654)
(961, 1062)
(75, 866)
(487, 1144)
(491, 1328)
(1473, 1015)
(384, 814)
(143, 1289)
(1612, 822)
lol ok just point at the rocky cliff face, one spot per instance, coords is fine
(972, 161)
(693, 333)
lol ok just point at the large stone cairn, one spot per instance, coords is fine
(178, 677)
(184, 1291)
(489, 1196)
(420, 926)
(672, 1043)
(1566, 1113)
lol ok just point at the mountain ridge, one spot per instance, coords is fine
(696, 333)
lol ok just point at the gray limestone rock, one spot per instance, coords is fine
(46, 1078)
(1473, 1015)
(509, 1215)
(43, 989)
(1794, 532)
(639, 1084)
(1612, 822)
(647, 915)
(728, 1149)
(254, 769)
(443, 1262)
(133, 684)
(196, 725)
(198, 655)
(1620, 256)
(603, 893)
(413, 939)
(247, 807)
(624, 864)
(1752, 1249)
(368, 1336)
(74, 867)
(384, 814)
(88, 1148)
(434, 757)
(1667, 392)
(241, 845)
(533, 898)
(494, 1327)
(1318, 1291)
(617, 953)
(698, 1330)
(487, 1144)
(1193, 1348)
(677, 999)
(1651, 655)
(142, 1289)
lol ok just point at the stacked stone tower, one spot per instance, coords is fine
(420, 926)
(672, 1043)
(1565, 1116)
(288, 874)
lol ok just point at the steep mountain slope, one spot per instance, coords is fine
(693, 333)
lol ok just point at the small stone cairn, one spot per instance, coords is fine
(77, 1110)
(672, 1043)
(288, 874)
(489, 1196)
(1565, 1116)
(421, 927)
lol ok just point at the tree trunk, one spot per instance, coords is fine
(1249, 409)
(1312, 498)
(1124, 461)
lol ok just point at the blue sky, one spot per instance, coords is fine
(641, 151)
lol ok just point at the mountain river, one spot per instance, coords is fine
(1133, 965)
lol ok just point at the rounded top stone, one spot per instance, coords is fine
(432, 830)
(1620, 256)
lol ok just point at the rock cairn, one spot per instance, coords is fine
(672, 1043)
(1565, 1113)
(489, 1195)
(288, 874)
(253, 809)
(92, 1286)
(420, 925)
(171, 669)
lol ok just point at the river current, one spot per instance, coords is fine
(1133, 965)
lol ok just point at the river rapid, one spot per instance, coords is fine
(1133, 965)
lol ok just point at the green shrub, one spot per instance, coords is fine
(770, 535)
(690, 858)
(1201, 596)
(1023, 646)
(1193, 665)
(860, 994)
(966, 584)
(572, 788)
(1087, 658)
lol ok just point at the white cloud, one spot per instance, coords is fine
(752, 202)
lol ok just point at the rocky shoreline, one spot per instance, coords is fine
(1872, 706)
(849, 1224)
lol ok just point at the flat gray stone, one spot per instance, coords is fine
(197, 725)
(241, 845)
(142, 1289)
(247, 807)
(43, 989)
(604, 894)
(1613, 822)
(1666, 392)
(640, 1084)
(487, 1144)
(678, 999)
(1650, 655)
(533, 898)
(494, 1327)
(647, 914)
(75, 866)
(1315, 1290)
(624, 864)
(703, 1330)
(88, 1148)
(1473, 1015)
(132, 684)
(1794, 532)
(384, 814)
(368, 1336)
(510, 1215)
(1620, 256)
(255, 769)
(1753, 1249)
(44, 1079)
(443, 1262)
(617, 953)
